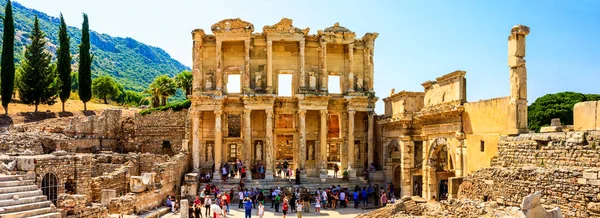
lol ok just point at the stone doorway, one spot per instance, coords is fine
(50, 187)
(397, 181)
(438, 168)
(443, 190)
(333, 156)
(284, 150)
(418, 186)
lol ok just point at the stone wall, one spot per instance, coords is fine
(105, 125)
(69, 169)
(586, 116)
(154, 130)
(79, 206)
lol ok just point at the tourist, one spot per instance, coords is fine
(289, 174)
(285, 165)
(297, 176)
(342, 198)
(285, 208)
(226, 201)
(292, 202)
(247, 207)
(391, 189)
(372, 167)
(336, 168)
(217, 211)
(356, 196)
(318, 204)
(241, 198)
(261, 209)
(224, 172)
(243, 172)
(207, 203)
(207, 189)
(376, 193)
(279, 168)
(369, 192)
(277, 201)
(364, 196)
(384, 200)
(299, 207)
(334, 199)
(324, 198)
(170, 203)
(197, 205)
(261, 171)
(306, 206)
(345, 175)
(393, 200)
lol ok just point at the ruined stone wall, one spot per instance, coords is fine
(117, 180)
(68, 169)
(105, 125)
(152, 130)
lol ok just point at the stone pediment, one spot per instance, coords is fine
(337, 34)
(235, 25)
(284, 27)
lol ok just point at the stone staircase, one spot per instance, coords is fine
(20, 197)
(312, 184)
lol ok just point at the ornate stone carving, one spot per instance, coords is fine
(258, 80)
(284, 27)
(259, 151)
(208, 82)
(235, 25)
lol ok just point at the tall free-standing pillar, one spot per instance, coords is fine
(269, 145)
(196, 119)
(323, 144)
(351, 67)
(323, 66)
(197, 58)
(370, 139)
(246, 65)
(219, 73)
(302, 155)
(518, 80)
(302, 74)
(218, 144)
(269, 66)
(247, 149)
(351, 155)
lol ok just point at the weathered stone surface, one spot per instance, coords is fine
(107, 194)
(25, 163)
(585, 116)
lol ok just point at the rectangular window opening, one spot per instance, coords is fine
(284, 85)
(482, 145)
(233, 83)
(334, 85)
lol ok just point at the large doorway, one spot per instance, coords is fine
(50, 187)
(285, 149)
(333, 155)
(417, 186)
(397, 181)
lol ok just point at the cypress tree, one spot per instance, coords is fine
(7, 81)
(85, 63)
(36, 84)
(64, 63)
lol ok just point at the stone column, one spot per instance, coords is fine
(351, 171)
(518, 80)
(351, 67)
(247, 66)
(369, 40)
(323, 145)
(370, 139)
(302, 73)
(184, 206)
(459, 167)
(269, 145)
(197, 65)
(196, 119)
(269, 66)
(218, 144)
(247, 148)
(302, 142)
(219, 73)
(324, 66)
(407, 163)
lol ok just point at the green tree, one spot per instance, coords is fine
(64, 63)
(104, 87)
(183, 81)
(160, 89)
(133, 98)
(7, 71)
(74, 81)
(559, 105)
(85, 64)
(37, 80)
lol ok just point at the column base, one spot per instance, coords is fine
(323, 175)
(303, 174)
(269, 90)
(217, 175)
(351, 173)
(268, 175)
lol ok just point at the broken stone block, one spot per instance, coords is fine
(532, 207)
(136, 184)
(25, 163)
(107, 194)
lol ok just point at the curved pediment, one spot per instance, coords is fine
(235, 25)
(284, 27)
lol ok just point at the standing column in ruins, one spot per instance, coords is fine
(369, 69)
(351, 67)
(247, 149)
(323, 144)
(302, 74)
(196, 119)
(323, 66)
(269, 145)
(218, 145)
(269, 66)
(370, 139)
(518, 80)
(219, 73)
(351, 171)
(247, 66)
(302, 154)
(197, 58)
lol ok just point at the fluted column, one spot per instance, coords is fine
(269, 145)
(351, 171)
(324, 66)
(302, 73)
(218, 144)
(351, 67)
(269, 66)
(247, 149)
(246, 65)
(219, 73)
(323, 144)
(370, 139)
(302, 143)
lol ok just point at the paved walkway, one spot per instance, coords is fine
(341, 213)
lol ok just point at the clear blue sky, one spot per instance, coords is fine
(418, 41)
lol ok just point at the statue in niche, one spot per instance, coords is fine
(359, 82)
(311, 150)
(209, 152)
(258, 80)
(209, 82)
(259, 151)
(312, 80)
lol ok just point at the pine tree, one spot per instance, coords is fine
(85, 63)
(7, 72)
(64, 63)
(37, 81)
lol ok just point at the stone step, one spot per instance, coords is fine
(27, 200)
(48, 215)
(4, 190)
(11, 177)
(25, 207)
(21, 194)
(28, 213)
(16, 183)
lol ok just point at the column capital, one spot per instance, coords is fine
(218, 112)
(302, 112)
(350, 46)
(269, 43)
(269, 112)
(323, 112)
(247, 112)
(351, 112)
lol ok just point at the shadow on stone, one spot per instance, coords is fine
(36, 116)
(65, 114)
(89, 113)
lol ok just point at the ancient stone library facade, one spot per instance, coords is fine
(282, 94)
